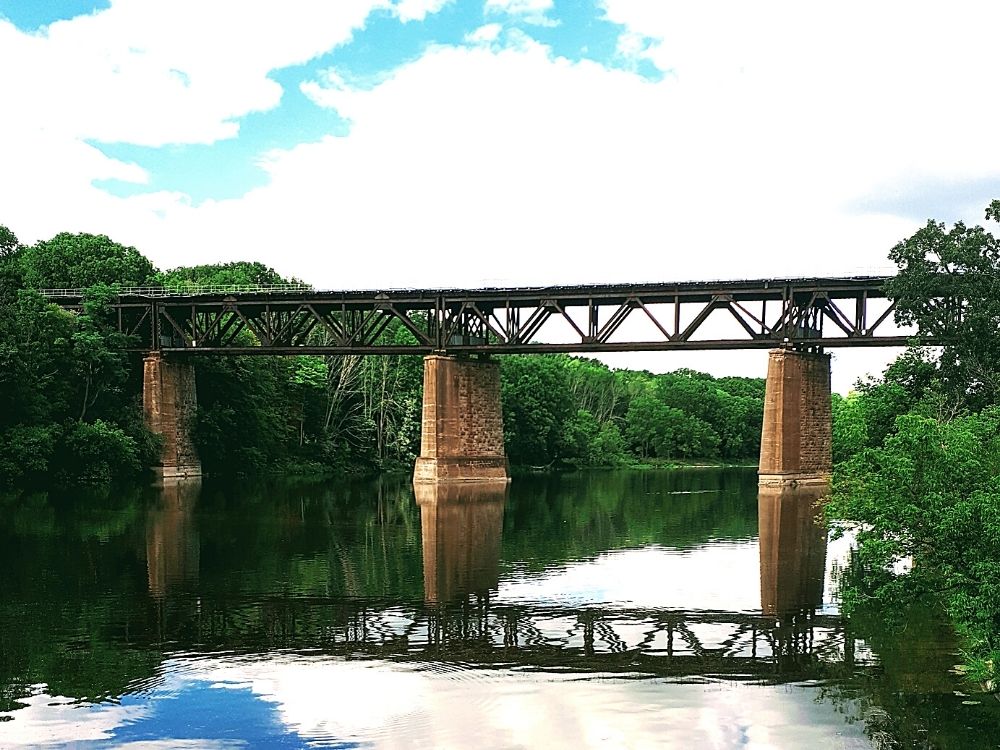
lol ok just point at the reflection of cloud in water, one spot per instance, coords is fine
(392, 705)
(54, 720)
(724, 576)
(322, 700)
(182, 745)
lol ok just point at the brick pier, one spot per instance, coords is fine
(796, 444)
(462, 432)
(169, 401)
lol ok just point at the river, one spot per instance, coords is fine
(614, 609)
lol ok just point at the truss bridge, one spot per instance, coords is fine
(288, 319)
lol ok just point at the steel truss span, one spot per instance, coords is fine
(760, 314)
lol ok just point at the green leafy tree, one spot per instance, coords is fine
(79, 261)
(850, 431)
(236, 273)
(9, 244)
(536, 404)
(928, 499)
(948, 286)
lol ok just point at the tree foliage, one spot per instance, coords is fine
(69, 396)
(79, 261)
(948, 286)
(918, 476)
(927, 502)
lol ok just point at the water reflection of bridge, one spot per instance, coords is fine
(462, 620)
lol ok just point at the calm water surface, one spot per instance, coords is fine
(624, 609)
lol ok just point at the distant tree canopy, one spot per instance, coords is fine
(237, 273)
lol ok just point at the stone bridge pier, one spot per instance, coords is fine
(169, 402)
(461, 438)
(796, 444)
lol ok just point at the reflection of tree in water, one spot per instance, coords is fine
(96, 590)
(69, 561)
(913, 699)
(553, 519)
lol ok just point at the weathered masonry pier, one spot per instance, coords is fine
(462, 431)
(796, 444)
(169, 401)
(461, 435)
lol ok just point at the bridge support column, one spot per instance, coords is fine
(462, 432)
(796, 444)
(169, 401)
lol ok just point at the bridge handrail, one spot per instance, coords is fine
(190, 290)
(185, 291)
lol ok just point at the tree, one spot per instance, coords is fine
(930, 496)
(78, 261)
(536, 404)
(9, 244)
(850, 432)
(948, 286)
(235, 273)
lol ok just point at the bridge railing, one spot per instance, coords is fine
(184, 291)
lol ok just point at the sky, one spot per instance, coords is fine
(422, 143)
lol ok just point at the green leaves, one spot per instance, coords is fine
(536, 405)
(948, 286)
(79, 261)
(929, 497)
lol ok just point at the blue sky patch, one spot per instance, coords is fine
(31, 15)
(202, 712)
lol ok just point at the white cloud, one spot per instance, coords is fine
(154, 72)
(147, 72)
(874, 86)
(553, 172)
(529, 11)
(418, 10)
(486, 34)
(47, 719)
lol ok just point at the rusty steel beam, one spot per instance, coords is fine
(597, 318)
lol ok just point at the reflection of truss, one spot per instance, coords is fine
(654, 642)
(762, 314)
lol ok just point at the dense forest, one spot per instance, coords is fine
(70, 397)
(918, 450)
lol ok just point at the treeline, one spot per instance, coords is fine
(560, 409)
(70, 397)
(918, 450)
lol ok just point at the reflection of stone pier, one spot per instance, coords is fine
(792, 548)
(173, 550)
(461, 526)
